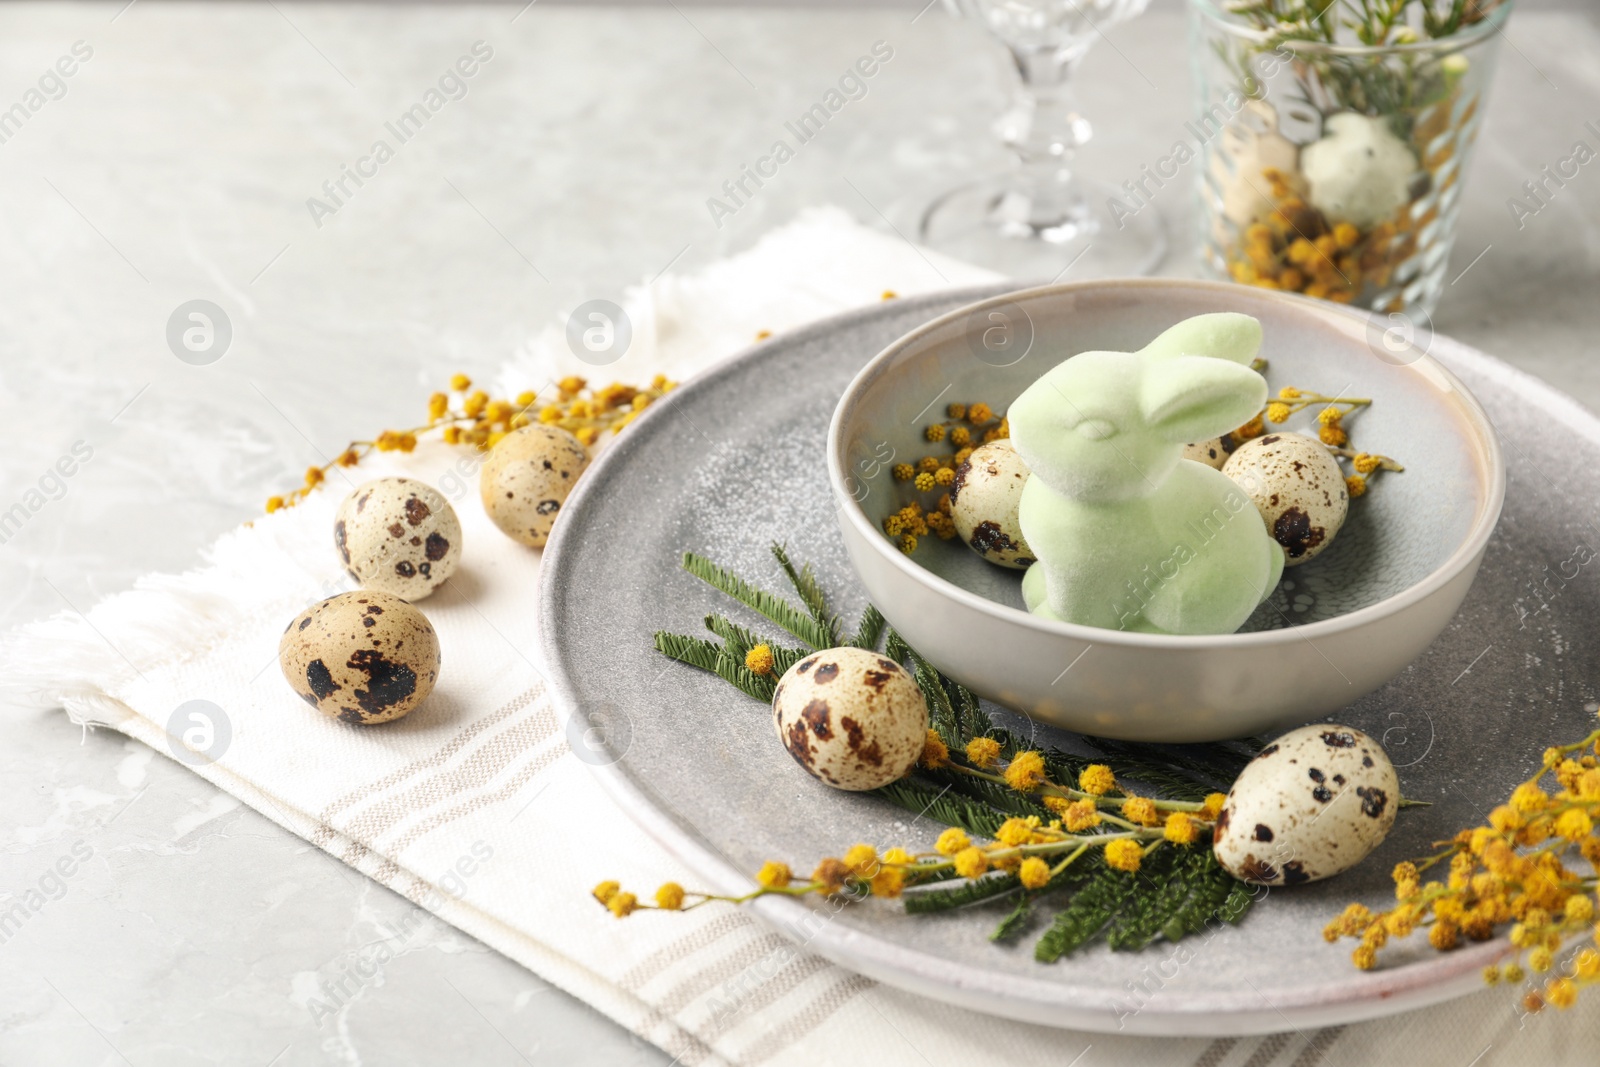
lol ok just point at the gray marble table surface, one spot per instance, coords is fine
(175, 164)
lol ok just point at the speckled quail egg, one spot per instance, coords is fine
(1359, 172)
(398, 535)
(983, 504)
(1314, 803)
(1298, 488)
(1213, 453)
(852, 717)
(526, 479)
(361, 657)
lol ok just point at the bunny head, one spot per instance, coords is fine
(1110, 426)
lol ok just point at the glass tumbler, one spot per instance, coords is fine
(1332, 167)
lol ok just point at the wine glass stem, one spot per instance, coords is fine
(1055, 131)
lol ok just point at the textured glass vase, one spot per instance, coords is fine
(1332, 169)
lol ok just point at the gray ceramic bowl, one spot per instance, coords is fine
(1338, 626)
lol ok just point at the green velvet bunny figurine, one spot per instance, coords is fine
(1128, 535)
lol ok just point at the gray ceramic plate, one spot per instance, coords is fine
(735, 460)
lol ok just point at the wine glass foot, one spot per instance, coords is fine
(991, 224)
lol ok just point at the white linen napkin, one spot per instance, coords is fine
(475, 807)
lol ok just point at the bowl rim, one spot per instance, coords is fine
(1471, 546)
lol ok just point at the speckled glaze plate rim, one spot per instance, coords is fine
(1357, 997)
(1450, 389)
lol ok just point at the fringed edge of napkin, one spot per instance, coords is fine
(163, 619)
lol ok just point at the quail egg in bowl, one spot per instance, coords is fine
(1342, 621)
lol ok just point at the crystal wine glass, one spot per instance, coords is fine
(1042, 217)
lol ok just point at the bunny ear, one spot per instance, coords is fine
(1193, 398)
(1221, 335)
